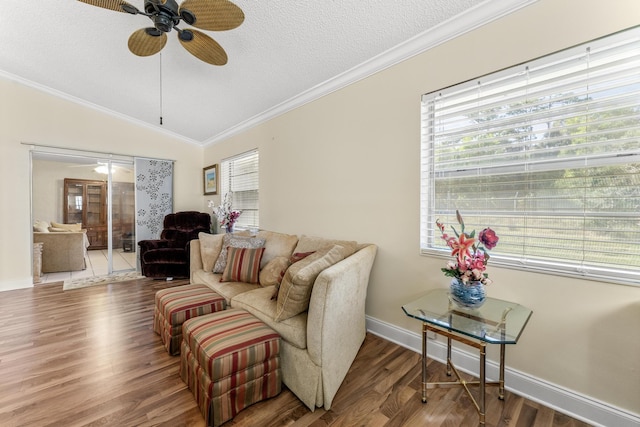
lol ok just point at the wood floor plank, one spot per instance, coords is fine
(89, 357)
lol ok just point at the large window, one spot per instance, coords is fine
(239, 175)
(548, 155)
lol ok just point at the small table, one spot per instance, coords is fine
(128, 241)
(495, 322)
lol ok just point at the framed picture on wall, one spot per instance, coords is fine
(210, 179)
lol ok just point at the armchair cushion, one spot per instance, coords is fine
(165, 255)
(41, 226)
(66, 227)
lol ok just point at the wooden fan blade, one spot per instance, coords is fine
(203, 47)
(147, 41)
(116, 5)
(214, 15)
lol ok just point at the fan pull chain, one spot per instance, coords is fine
(160, 89)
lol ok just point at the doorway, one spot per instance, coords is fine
(96, 193)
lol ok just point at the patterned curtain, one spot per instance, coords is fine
(154, 196)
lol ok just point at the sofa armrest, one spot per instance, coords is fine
(336, 322)
(195, 258)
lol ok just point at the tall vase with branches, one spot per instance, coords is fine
(227, 216)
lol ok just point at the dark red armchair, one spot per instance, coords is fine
(169, 256)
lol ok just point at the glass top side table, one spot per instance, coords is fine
(495, 322)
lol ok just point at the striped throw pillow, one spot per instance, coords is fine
(243, 265)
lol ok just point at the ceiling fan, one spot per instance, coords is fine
(210, 15)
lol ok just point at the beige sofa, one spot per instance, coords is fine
(319, 344)
(62, 251)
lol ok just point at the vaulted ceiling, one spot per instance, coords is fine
(285, 53)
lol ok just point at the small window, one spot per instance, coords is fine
(239, 174)
(548, 155)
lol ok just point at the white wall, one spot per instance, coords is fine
(32, 116)
(347, 166)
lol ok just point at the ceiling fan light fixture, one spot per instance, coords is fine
(129, 8)
(187, 16)
(104, 169)
(185, 35)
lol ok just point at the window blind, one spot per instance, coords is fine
(548, 155)
(240, 175)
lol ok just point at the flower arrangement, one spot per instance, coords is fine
(225, 213)
(471, 253)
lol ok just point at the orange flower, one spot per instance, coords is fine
(460, 247)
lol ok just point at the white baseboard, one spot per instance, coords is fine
(568, 402)
(9, 285)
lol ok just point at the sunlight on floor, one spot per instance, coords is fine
(96, 266)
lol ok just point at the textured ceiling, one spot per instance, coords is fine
(282, 50)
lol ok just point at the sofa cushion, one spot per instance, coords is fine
(67, 227)
(236, 241)
(258, 302)
(276, 245)
(295, 289)
(243, 265)
(310, 243)
(227, 289)
(210, 247)
(271, 273)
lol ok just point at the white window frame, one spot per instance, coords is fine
(522, 83)
(240, 174)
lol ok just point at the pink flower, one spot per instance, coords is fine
(461, 247)
(488, 238)
(477, 264)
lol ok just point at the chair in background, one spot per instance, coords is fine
(169, 256)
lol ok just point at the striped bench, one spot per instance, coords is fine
(229, 360)
(175, 305)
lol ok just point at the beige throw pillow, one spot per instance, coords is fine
(41, 226)
(297, 284)
(311, 243)
(271, 274)
(210, 247)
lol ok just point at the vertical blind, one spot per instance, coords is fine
(548, 155)
(239, 174)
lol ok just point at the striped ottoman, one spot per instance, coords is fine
(175, 305)
(229, 360)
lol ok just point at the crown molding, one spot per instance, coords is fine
(90, 105)
(478, 16)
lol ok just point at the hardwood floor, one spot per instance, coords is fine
(89, 357)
